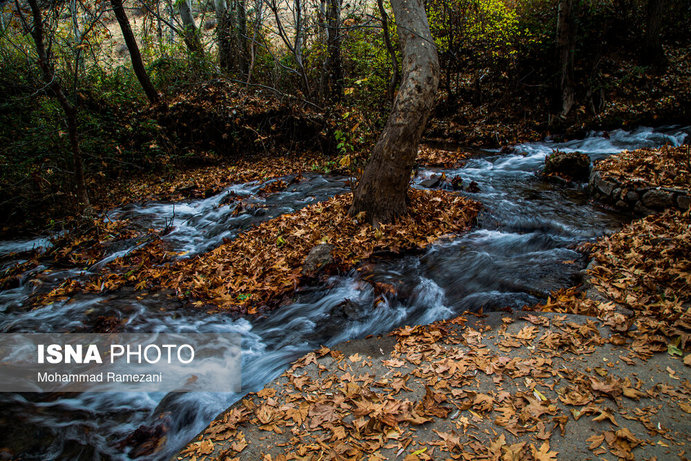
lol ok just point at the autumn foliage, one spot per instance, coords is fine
(260, 267)
(266, 262)
(667, 166)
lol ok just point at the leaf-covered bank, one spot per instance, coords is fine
(257, 269)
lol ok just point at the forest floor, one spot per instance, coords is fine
(596, 371)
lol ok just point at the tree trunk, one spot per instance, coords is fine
(297, 46)
(653, 54)
(299, 43)
(223, 31)
(232, 37)
(76, 31)
(172, 31)
(382, 190)
(190, 32)
(135, 56)
(566, 42)
(333, 70)
(53, 85)
(240, 37)
(258, 18)
(395, 76)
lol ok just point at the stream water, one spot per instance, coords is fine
(523, 247)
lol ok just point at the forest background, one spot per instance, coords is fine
(308, 81)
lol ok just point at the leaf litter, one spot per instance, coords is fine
(667, 166)
(262, 267)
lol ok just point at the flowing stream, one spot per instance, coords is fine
(524, 247)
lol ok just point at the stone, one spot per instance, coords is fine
(431, 182)
(632, 197)
(606, 187)
(457, 183)
(347, 310)
(641, 209)
(597, 183)
(574, 165)
(317, 259)
(684, 202)
(621, 204)
(559, 179)
(473, 187)
(658, 199)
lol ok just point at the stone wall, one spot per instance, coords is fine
(641, 198)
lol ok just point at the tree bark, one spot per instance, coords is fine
(189, 29)
(333, 69)
(76, 31)
(382, 190)
(297, 46)
(395, 76)
(53, 85)
(232, 37)
(566, 42)
(223, 34)
(135, 56)
(653, 54)
(258, 18)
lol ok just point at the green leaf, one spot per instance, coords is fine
(674, 350)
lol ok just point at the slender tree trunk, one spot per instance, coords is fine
(189, 29)
(566, 42)
(299, 43)
(159, 26)
(322, 35)
(172, 33)
(297, 12)
(295, 44)
(76, 31)
(333, 69)
(258, 16)
(135, 56)
(223, 31)
(240, 37)
(382, 190)
(395, 76)
(232, 37)
(653, 54)
(53, 84)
